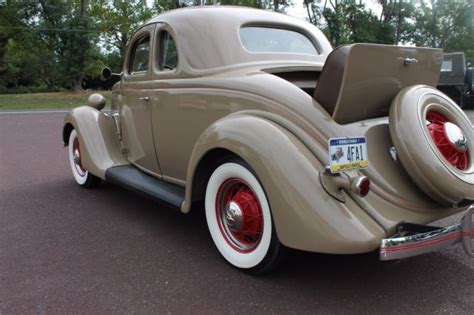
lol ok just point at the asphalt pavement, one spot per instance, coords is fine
(65, 249)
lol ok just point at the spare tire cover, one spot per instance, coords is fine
(434, 140)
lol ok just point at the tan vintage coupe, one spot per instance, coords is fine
(289, 143)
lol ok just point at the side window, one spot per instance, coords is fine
(140, 55)
(168, 58)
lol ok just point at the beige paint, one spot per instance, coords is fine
(209, 42)
(305, 216)
(100, 147)
(135, 113)
(374, 74)
(223, 97)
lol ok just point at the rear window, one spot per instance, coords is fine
(259, 39)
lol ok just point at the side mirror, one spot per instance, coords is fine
(106, 73)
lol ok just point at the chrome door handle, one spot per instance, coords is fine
(144, 98)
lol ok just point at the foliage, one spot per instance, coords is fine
(246, 3)
(55, 44)
(274, 5)
(118, 19)
(346, 21)
(15, 18)
(446, 24)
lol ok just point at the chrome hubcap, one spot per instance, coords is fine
(449, 139)
(455, 136)
(239, 215)
(233, 216)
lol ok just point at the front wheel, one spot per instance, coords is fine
(82, 177)
(239, 219)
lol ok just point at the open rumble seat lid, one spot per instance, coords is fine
(359, 81)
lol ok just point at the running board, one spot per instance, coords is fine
(131, 178)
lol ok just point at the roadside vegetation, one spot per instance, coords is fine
(55, 100)
(55, 45)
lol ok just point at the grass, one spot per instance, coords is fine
(47, 100)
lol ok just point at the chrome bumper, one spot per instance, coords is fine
(414, 239)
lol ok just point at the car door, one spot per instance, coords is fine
(135, 108)
(164, 103)
(180, 109)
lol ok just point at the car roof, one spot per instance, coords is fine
(208, 36)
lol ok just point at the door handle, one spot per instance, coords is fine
(144, 98)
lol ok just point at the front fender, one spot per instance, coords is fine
(100, 147)
(305, 216)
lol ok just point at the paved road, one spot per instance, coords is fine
(64, 249)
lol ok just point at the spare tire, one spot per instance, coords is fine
(434, 140)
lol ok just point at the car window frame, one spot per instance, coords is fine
(133, 55)
(159, 45)
(285, 27)
(145, 31)
(165, 74)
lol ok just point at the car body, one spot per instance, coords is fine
(256, 96)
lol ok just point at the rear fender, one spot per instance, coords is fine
(100, 147)
(305, 216)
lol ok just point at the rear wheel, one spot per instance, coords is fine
(239, 219)
(82, 177)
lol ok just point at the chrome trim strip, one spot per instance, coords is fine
(417, 244)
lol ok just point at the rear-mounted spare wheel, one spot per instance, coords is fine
(435, 143)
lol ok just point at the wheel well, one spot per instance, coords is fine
(208, 163)
(68, 128)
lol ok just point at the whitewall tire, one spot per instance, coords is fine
(81, 176)
(239, 218)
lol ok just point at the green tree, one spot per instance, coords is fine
(117, 20)
(343, 21)
(246, 3)
(396, 21)
(15, 18)
(274, 5)
(446, 24)
(65, 31)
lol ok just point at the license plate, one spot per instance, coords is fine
(347, 154)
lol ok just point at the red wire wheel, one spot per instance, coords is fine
(239, 215)
(441, 130)
(239, 218)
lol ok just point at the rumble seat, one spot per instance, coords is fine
(330, 80)
(359, 81)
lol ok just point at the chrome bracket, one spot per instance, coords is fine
(333, 184)
(330, 184)
(408, 61)
(118, 131)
